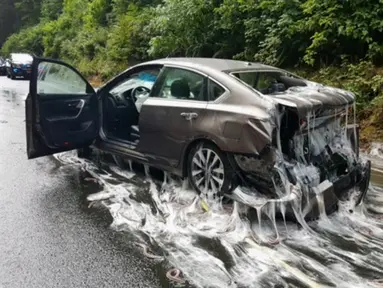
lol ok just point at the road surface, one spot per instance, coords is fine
(48, 237)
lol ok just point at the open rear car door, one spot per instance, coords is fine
(61, 109)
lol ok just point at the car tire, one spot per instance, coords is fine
(221, 173)
(8, 75)
(85, 153)
(13, 77)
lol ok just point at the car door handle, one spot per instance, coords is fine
(80, 106)
(189, 116)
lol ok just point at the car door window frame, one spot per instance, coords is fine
(160, 82)
(60, 72)
(33, 86)
(222, 96)
(105, 89)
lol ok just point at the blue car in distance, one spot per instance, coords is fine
(19, 65)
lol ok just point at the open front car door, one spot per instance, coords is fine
(61, 109)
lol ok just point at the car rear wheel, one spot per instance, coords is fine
(209, 171)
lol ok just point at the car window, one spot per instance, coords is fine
(145, 78)
(215, 90)
(265, 80)
(56, 78)
(270, 82)
(249, 78)
(177, 83)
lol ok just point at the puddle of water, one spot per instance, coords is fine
(223, 247)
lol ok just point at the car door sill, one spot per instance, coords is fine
(120, 141)
(113, 145)
(121, 147)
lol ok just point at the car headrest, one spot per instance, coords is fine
(180, 89)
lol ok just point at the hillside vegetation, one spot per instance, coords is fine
(338, 42)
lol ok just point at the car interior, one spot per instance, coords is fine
(121, 114)
(123, 102)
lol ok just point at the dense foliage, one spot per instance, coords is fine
(342, 39)
(279, 32)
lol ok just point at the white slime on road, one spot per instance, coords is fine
(222, 247)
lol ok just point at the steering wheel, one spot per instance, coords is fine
(139, 90)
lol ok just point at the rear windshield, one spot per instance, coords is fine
(269, 82)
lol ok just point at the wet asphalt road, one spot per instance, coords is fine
(48, 236)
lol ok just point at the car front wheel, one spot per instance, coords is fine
(209, 171)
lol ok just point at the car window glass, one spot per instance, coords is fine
(270, 82)
(265, 80)
(248, 77)
(56, 78)
(215, 90)
(145, 78)
(177, 83)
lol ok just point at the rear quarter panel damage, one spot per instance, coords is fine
(239, 129)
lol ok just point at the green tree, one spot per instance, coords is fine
(27, 40)
(339, 29)
(51, 9)
(184, 27)
(129, 39)
(7, 17)
(28, 11)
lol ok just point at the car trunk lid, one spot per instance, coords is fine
(314, 99)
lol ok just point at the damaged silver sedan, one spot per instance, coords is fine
(220, 123)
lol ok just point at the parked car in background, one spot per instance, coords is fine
(19, 65)
(217, 122)
(3, 69)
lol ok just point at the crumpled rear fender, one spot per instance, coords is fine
(247, 131)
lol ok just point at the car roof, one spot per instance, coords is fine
(208, 64)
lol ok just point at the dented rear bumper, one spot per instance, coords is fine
(351, 186)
